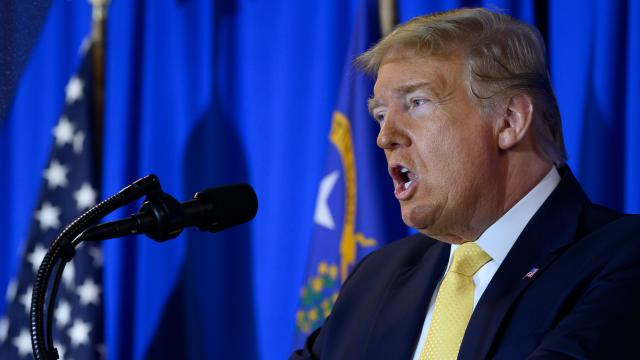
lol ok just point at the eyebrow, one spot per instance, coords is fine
(405, 89)
(373, 103)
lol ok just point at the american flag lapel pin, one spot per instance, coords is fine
(531, 273)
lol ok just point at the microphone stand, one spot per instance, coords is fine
(62, 250)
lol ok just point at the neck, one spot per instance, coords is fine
(520, 181)
(514, 179)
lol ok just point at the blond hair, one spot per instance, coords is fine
(503, 56)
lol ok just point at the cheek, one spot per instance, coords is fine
(442, 152)
(455, 158)
(471, 163)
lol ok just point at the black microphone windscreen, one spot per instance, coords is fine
(233, 205)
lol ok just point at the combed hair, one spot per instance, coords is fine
(503, 56)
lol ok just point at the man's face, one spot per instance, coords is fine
(441, 151)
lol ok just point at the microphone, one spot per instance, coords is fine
(162, 217)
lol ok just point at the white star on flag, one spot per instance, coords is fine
(48, 216)
(78, 142)
(23, 343)
(36, 256)
(63, 132)
(85, 197)
(69, 275)
(25, 299)
(61, 349)
(322, 214)
(73, 89)
(12, 288)
(56, 175)
(102, 350)
(96, 254)
(68, 188)
(79, 332)
(89, 293)
(86, 42)
(4, 329)
(63, 314)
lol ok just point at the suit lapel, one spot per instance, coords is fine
(401, 315)
(551, 229)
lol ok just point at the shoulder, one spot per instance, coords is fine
(364, 293)
(406, 252)
(608, 227)
(597, 217)
(596, 281)
(377, 270)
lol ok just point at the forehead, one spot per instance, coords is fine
(402, 70)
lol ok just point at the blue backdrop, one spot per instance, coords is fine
(205, 93)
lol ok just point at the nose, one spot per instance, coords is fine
(392, 134)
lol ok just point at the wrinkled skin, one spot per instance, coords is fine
(430, 124)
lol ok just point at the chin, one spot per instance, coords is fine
(418, 217)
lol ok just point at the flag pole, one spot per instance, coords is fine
(388, 15)
(98, 26)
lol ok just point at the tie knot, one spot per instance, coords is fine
(468, 259)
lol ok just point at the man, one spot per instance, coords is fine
(513, 260)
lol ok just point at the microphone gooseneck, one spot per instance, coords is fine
(162, 217)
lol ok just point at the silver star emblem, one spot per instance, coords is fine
(322, 214)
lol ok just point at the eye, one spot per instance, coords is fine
(415, 102)
(379, 116)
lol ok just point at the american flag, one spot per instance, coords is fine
(69, 188)
(531, 273)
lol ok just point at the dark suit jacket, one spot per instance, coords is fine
(583, 302)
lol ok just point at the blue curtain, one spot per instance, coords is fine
(202, 95)
(20, 25)
(594, 53)
(205, 93)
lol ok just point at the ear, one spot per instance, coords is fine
(516, 121)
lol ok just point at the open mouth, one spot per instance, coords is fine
(403, 179)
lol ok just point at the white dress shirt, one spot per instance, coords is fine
(496, 241)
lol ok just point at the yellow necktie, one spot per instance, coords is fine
(454, 304)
